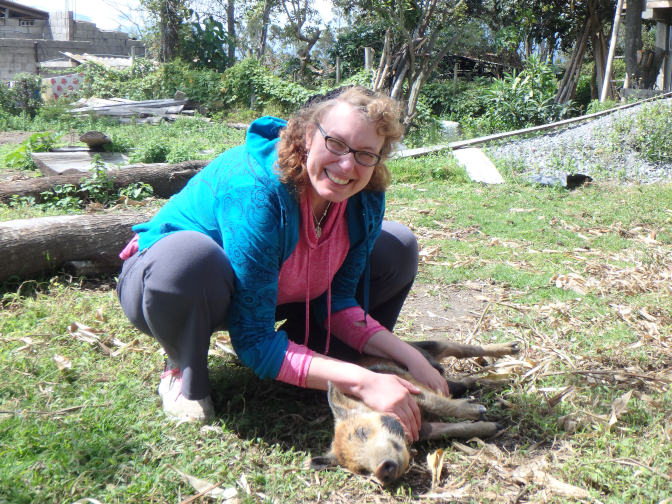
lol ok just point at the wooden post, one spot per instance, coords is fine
(663, 42)
(37, 59)
(338, 70)
(132, 55)
(612, 50)
(455, 75)
(368, 57)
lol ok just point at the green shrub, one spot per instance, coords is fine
(526, 99)
(37, 142)
(25, 95)
(649, 131)
(206, 44)
(248, 79)
(153, 150)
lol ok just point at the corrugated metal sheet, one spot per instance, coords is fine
(117, 62)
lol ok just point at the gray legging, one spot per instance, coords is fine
(179, 290)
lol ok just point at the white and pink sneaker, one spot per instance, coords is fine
(178, 407)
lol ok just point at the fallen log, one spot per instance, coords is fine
(166, 180)
(29, 246)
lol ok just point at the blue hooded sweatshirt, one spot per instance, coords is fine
(238, 201)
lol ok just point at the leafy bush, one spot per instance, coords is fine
(136, 191)
(154, 150)
(526, 99)
(350, 46)
(455, 103)
(649, 131)
(249, 78)
(62, 198)
(37, 142)
(25, 95)
(98, 186)
(206, 44)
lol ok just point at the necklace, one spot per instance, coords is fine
(318, 223)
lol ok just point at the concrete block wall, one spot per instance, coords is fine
(18, 55)
(60, 33)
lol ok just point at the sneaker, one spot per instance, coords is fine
(178, 407)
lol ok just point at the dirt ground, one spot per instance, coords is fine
(441, 311)
(7, 138)
(13, 137)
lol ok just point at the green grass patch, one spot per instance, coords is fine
(580, 279)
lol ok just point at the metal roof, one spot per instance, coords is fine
(22, 10)
(109, 62)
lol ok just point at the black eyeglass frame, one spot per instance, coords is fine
(350, 149)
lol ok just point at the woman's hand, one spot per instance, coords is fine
(392, 395)
(427, 375)
(387, 345)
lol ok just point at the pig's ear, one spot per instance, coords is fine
(339, 402)
(324, 461)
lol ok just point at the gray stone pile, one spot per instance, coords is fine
(604, 148)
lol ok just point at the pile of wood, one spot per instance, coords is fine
(590, 32)
(148, 111)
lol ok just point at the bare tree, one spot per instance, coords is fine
(426, 42)
(300, 12)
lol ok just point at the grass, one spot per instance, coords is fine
(96, 430)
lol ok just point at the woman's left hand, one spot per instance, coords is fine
(425, 374)
(387, 345)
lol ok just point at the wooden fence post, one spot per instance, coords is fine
(612, 50)
(338, 70)
(368, 57)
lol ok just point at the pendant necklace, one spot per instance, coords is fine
(318, 223)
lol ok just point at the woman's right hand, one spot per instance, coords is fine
(391, 394)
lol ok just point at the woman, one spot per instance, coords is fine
(288, 227)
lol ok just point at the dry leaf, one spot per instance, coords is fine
(435, 464)
(533, 472)
(62, 362)
(553, 401)
(618, 406)
(466, 449)
(649, 400)
(450, 495)
(559, 487)
(100, 317)
(244, 485)
(490, 449)
(200, 485)
(87, 500)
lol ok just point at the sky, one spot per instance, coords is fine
(97, 11)
(108, 18)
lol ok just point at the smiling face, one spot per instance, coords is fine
(334, 177)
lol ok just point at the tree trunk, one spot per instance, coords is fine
(265, 17)
(29, 246)
(650, 74)
(166, 180)
(633, 36)
(231, 29)
(169, 27)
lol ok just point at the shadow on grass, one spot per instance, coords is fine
(277, 413)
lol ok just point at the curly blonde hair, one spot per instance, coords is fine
(375, 107)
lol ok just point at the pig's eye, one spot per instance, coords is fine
(363, 433)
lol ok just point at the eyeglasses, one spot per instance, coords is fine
(341, 148)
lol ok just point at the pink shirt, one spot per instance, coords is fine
(307, 274)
